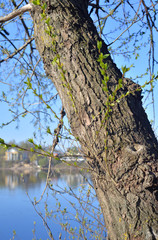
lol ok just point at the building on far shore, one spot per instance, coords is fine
(73, 158)
(13, 154)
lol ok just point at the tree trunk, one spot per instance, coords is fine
(125, 174)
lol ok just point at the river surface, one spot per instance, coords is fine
(67, 207)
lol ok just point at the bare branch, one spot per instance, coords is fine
(18, 50)
(135, 20)
(55, 142)
(110, 14)
(24, 24)
(44, 221)
(16, 13)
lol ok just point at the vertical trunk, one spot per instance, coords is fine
(125, 175)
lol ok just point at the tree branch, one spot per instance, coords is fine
(16, 13)
(18, 50)
(55, 142)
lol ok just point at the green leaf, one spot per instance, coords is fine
(47, 21)
(103, 66)
(104, 83)
(29, 84)
(2, 5)
(106, 56)
(39, 146)
(99, 45)
(125, 69)
(30, 140)
(43, 15)
(75, 164)
(36, 2)
(105, 89)
(48, 107)
(112, 104)
(127, 93)
(54, 60)
(118, 100)
(44, 6)
(102, 72)
(2, 141)
(48, 130)
(106, 78)
(24, 115)
(35, 91)
(120, 83)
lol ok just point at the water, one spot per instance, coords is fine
(17, 213)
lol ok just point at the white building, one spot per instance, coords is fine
(13, 154)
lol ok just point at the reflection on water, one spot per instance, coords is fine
(17, 212)
(12, 179)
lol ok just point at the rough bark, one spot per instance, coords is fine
(125, 176)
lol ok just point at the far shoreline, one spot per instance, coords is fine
(58, 168)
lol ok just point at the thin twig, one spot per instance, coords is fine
(55, 142)
(44, 221)
(135, 20)
(18, 50)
